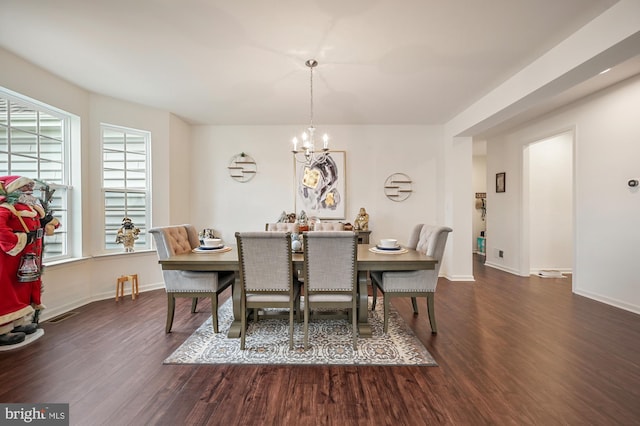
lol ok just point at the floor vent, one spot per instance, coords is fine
(550, 274)
(62, 317)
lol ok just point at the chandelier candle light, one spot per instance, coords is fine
(308, 139)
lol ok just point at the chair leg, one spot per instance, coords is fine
(354, 319)
(414, 303)
(291, 327)
(243, 323)
(171, 308)
(214, 312)
(432, 313)
(374, 294)
(297, 307)
(135, 281)
(386, 312)
(134, 286)
(120, 287)
(194, 305)
(306, 325)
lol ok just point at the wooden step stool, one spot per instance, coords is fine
(133, 278)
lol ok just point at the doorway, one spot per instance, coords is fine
(479, 195)
(547, 209)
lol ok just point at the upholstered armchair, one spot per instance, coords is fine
(431, 241)
(179, 239)
(414, 237)
(266, 276)
(330, 275)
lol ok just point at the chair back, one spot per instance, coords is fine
(181, 239)
(330, 261)
(265, 261)
(294, 228)
(328, 226)
(432, 242)
(415, 236)
(176, 239)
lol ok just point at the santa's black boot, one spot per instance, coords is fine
(26, 329)
(11, 338)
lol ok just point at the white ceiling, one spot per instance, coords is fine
(242, 61)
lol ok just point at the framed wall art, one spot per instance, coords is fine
(320, 186)
(501, 182)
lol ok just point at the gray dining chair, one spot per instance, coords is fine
(328, 226)
(180, 239)
(431, 241)
(330, 275)
(292, 227)
(266, 276)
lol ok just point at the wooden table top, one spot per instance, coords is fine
(367, 261)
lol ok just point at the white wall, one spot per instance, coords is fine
(92, 276)
(458, 206)
(504, 209)
(372, 154)
(178, 177)
(550, 193)
(607, 231)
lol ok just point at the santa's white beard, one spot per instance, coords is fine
(28, 199)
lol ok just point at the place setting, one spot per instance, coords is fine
(388, 246)
(211, 245)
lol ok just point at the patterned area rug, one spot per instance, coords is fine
(330, 342)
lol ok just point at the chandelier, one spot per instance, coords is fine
(307, 146)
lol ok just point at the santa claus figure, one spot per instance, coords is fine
(22, 218)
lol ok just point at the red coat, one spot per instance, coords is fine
(17, 298)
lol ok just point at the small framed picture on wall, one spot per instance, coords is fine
(501, 182)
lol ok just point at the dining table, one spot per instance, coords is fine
(369, 259)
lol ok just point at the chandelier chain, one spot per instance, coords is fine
(308, 138)
(311, 109)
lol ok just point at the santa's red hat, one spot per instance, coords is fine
(13, 183)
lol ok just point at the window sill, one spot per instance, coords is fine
(123, 253)
(63, 262)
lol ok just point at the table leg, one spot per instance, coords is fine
(234, 329)
(364, 329)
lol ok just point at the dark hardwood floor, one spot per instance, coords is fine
(511, 351)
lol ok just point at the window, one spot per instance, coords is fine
(34, 142)
(125, 182)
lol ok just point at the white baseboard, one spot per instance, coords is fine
(459, 277)
(609, 301)
(502, 268)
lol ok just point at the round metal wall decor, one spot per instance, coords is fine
(242, 168)
(397, 187)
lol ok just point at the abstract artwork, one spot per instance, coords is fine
(320, 186)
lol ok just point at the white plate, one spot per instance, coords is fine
(205, 250)
(398, 247)
(377, 250)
